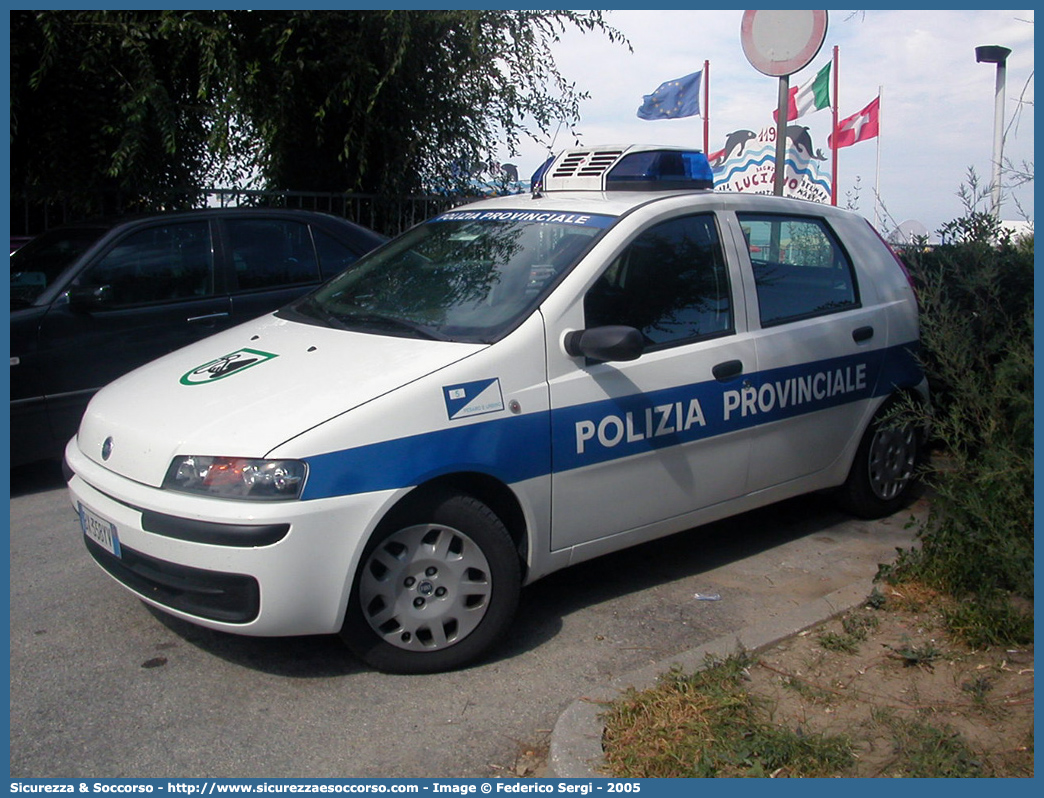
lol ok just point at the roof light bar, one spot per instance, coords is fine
(635, 168)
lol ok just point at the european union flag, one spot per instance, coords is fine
(673, 99)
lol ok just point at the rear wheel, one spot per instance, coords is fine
(885, 468)
(438, 585)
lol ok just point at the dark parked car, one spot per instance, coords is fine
(90, 302)
(19, 241)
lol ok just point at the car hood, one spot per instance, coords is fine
(245, 391)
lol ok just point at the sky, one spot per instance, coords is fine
(937, 102)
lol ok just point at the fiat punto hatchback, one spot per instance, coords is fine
(507, 389)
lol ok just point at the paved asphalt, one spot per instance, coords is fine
(103, 686)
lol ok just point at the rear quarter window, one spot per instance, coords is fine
(800, 269)
(334, 257)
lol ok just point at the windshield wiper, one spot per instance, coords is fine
(376, 321)
(366, 321)
(328, 317)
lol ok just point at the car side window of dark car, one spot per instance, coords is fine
(271, 253)
(334, 257)
(800, 269)
(40, 262)
(671, 283)
(157, 264)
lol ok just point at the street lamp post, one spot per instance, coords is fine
(995, 54)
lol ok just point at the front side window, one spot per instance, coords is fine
(465, 275)
(158, 264)
(800, 269)
(671, 283)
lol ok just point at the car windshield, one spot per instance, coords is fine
(463, 276)
(38, 264)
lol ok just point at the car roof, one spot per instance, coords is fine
(618, 203)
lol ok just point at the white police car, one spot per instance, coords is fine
(505, 390)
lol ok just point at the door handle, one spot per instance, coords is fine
(208, 317)
(862, 334)
(723, 372)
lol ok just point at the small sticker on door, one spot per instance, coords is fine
(473, 398)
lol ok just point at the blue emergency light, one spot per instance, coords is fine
(660, 169)
(636, 168)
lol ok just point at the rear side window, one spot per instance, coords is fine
(159, 264)
(800, 269)
(671, 283)
(271, 253)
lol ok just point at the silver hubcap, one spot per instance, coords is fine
(425, 588)
(893, 454)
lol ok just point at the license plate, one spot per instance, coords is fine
(99, 530)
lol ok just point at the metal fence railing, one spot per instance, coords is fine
(34, 212)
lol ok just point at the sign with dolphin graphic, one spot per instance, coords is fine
(747, 163)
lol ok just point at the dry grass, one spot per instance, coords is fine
(900, 697)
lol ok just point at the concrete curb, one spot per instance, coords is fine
(576, 741)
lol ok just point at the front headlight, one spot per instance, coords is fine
(237, 477)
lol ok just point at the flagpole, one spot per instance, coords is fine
(706, 107)
(833, 166)
(877, 176)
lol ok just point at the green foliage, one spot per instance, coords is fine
(392, 100)
(838, 642)
(975, 227)
(379, 101)
(978, 688)
(976, 300)
(855, 629)
(127, 100)
(988, 620)
(911, 654)
(922, 750)
(876, 600)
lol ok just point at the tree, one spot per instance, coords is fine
(128, 100)
(379, 101)
(391, 101)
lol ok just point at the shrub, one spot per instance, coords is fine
(976, 298)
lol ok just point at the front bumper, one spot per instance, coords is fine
(256, 568)
(202, 594)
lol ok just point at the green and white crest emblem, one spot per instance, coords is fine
(226, 366)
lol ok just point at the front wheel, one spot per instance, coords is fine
(437, 586)
(885, 467)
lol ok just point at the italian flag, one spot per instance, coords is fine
(810, 97)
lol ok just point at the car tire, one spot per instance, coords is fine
(437, 586)
(885, 468)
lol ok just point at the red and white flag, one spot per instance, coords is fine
(858, 127)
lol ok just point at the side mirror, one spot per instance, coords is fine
(606, 343)
(83, 298)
